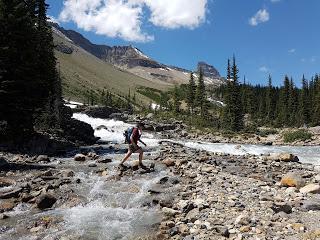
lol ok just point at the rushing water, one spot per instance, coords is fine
(307, 154)
(115, 209)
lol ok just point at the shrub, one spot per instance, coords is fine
(266, 132)
(301, 135)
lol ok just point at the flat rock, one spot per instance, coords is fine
(310, 188)
(169, 211)
(13, 193)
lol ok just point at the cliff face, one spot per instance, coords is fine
(208, 70)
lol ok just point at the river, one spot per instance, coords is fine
(119, 209)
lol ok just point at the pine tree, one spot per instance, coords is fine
(270, 104)
(316, 104)
(201, 94)
(17, 68)
(191, 94)
(305, 102)
(176, 101)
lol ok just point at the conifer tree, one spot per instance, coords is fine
(17, 68)
(201, 94)
(176, 101)
(191, 93)
(305, 102)
(270, 106)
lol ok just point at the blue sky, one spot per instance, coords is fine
(267, 36)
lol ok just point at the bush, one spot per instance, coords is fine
(266, 132)
(301, 135)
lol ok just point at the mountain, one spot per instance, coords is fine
(133, 60)
(82, 72)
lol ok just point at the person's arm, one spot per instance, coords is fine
(142, 142)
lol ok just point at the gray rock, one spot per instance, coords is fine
(45, 201)
(43, 158)
(312, 204)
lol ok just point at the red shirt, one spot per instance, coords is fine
(135, 135)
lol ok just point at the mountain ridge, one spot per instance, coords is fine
(133, 60)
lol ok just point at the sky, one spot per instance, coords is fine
(275, 37)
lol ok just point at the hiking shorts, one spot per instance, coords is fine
(133, 149)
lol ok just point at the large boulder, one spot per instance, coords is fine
(292, 180)
(45, 201)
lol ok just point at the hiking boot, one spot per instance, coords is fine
(144, 167)
(123, 167)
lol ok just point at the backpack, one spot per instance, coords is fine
(127, 135)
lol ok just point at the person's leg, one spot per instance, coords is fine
(126, 157)
(140, 151)
(140, 156)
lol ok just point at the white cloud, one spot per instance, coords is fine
(275, 1)
(264, 69)
(124, 18)
(260, 17)
(177, 13)
(293, 50)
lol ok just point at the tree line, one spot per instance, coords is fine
(30, 86)
(245, 107)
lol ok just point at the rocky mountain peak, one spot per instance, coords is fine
(208, 70)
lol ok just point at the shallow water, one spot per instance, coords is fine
(306, 154)
(118, 209)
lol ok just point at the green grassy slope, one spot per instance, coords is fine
(82, 72)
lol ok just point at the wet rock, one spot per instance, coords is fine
(80, 157)
(169, 212)
(100, 127)
(292, 180)
(168, 162)
(105, 160)
(92, 165)
(3, 216)
(43, 158)
(12, 193)
(6, 205)
(310, 188)
(67, 173)
(45, 201)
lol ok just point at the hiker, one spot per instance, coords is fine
(133, 138)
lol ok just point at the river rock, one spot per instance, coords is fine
(43, 158)
(6, 205)
(288, 157)
(169, 212)
(3, 162)
(282, 207)
(12, 193)
(168, 162)
(312, 204)
(105, 160)
(80, 157)
(45, 201)
(310, 188)
(67, 173)
(292, 180)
